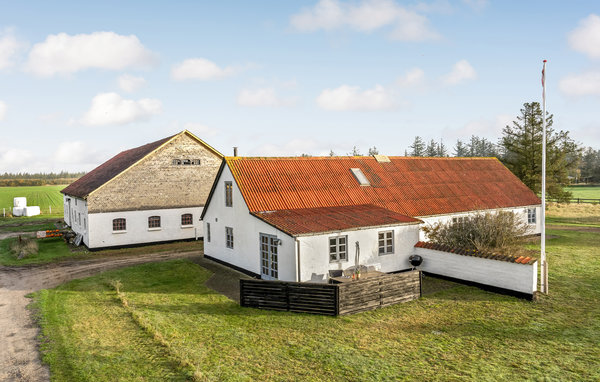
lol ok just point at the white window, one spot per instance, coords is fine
(228, 194)
(386, 242)
(208, 232)
(84, 224)
(338, 248)
(460, 219)
(187, 219)
(79, 218)
(531, 217)
(229, 237)
(362, 179)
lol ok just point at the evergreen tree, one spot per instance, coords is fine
(331, 153)
(590, 166)
(417, 148)
(521, 146)
(460, 149)
(441, 149)
(355, 152)
(481, 147)
(373, 151)
(431, 150)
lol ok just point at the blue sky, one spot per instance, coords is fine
(81, 81)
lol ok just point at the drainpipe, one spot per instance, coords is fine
(298, 260)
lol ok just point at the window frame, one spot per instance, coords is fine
(229, 239)
(337, 252)
(152, 220)
(116, 223)
(191, 221)
(532, 216)
(388, 249)
(228, 193)
(208, 232)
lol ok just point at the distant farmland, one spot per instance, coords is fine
(43, 196)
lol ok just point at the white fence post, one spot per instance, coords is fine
(50, 209)
(3, 212)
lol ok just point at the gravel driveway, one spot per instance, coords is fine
(19, 357)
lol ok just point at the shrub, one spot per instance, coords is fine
(484, 232)
(23, 247)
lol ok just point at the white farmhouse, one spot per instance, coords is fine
(152, 193)
(296, 219)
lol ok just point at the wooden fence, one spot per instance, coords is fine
(576, 200)
(331, 299)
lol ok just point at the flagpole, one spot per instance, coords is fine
(544, 269)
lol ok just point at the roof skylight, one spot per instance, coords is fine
(362, 179)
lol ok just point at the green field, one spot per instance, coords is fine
(159, 321)
(585, 192)
(42, 196)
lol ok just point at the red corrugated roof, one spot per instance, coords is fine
(406, 185)
(326, 219)
(476, 253)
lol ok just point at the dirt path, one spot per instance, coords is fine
(19, 357)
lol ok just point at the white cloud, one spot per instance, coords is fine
(63, 54)
(368, 15)
(348, 97)
(15, 159)
(9, 48)
(200, 130)
(77, 153)
(461, 71)
(586, 37)
(129, 83)
(112, 109)
(2, 110)
(412, 77)
(263, 97)
(581, 85)
(200, 69)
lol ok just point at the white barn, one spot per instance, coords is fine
(295, 219)
(152, 193)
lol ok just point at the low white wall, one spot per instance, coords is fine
(314, 251)
(501, 274)
(246, 233)
(101, 233)
(521, 212)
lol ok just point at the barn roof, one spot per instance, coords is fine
(327, 219)
(102, 174)
(476, 253)
(406, 185)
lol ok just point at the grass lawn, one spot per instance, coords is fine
(573, 214)
(55, 249)
(585, 192)
(43, 196)
(163, 322)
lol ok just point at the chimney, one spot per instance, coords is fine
(235, 151)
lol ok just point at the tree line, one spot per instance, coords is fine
(38, 179)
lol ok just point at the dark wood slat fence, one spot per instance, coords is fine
(331, 299)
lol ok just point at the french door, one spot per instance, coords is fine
(268, 257)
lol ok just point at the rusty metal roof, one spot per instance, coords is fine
(406, 185)
(327, 219)
(476, 253)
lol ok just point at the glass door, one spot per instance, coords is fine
(268, 257)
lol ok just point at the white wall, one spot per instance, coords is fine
(246, 233)
(314, 251)
(519, 212)
(102, 235)
(512, 276)
(76, 216)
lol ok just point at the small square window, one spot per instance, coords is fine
(337, 248)
(187, 219)
(154, 222)
(119, 224)
(176, 161)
